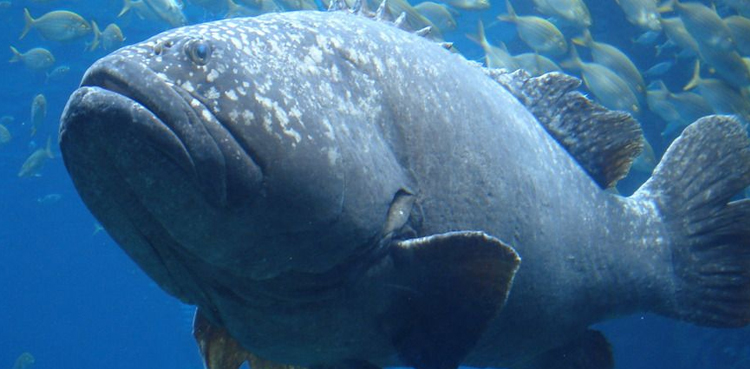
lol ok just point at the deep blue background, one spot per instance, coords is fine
(74, 300)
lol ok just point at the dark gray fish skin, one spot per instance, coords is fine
(244, 163)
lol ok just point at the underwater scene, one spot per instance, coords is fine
(70, 297)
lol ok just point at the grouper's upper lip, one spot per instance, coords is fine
(140, 84)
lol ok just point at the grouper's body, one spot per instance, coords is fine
(319, 160)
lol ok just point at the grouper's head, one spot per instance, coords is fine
(222, 148)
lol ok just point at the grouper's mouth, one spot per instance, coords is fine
(178, 125)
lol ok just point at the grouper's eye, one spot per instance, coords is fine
(198, 51)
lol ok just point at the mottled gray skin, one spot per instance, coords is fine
(238, 183)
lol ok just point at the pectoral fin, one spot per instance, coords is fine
(590, 350)
(447, 288)
(220, 351)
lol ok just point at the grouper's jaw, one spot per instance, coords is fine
(149, 168)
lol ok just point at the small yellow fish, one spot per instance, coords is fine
(723, 98)
(5, 135)
(727, 64)
(540, 34)
(112, 37)
(677, 109)
(614, 59)
(536, 64)
(38, 113)
(57, 73)
(642, 13)
(168, 10)
(109, 39)
(572, 12)
(470, 5)
(58, 25)
(262, 7)
(35, 59)
(439, 14)
(609, 89)
(739, 26)
(35, 162)
(676, 32)
(141, 9)
(414, 19)
(494, 57)
(705, 26)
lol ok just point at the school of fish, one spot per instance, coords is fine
(708, 39)
(712, 41)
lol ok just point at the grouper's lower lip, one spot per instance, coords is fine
(172, 119)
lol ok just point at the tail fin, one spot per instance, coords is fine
(481, 37)
(585, 40)
(126, 6)
(97, 36)
(17, 57)
(710, 235)
(574, 62)
(28, 23)
(48, 149)
(511, 16)
(696, 80)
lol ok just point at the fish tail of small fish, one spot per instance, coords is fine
(28, 23)
(97, 36)
(696, 79)
(480, 38)
(666, 7)
(511, 13)
(16, 55)
(573, 61)
(48, 148)
(126, 6)
(585, 40)
(707, 233)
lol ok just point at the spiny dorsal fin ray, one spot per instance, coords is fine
(424, 31)
(604, 142)
(400, 21)
(383, 13)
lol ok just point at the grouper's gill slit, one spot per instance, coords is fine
(248, 151)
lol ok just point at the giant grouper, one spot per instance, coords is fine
(332, 191)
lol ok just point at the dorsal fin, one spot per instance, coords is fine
(604, 142)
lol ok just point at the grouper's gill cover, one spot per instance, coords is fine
(332, 191)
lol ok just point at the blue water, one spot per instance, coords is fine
(72, 298)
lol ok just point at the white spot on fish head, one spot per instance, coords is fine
(211, 77)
